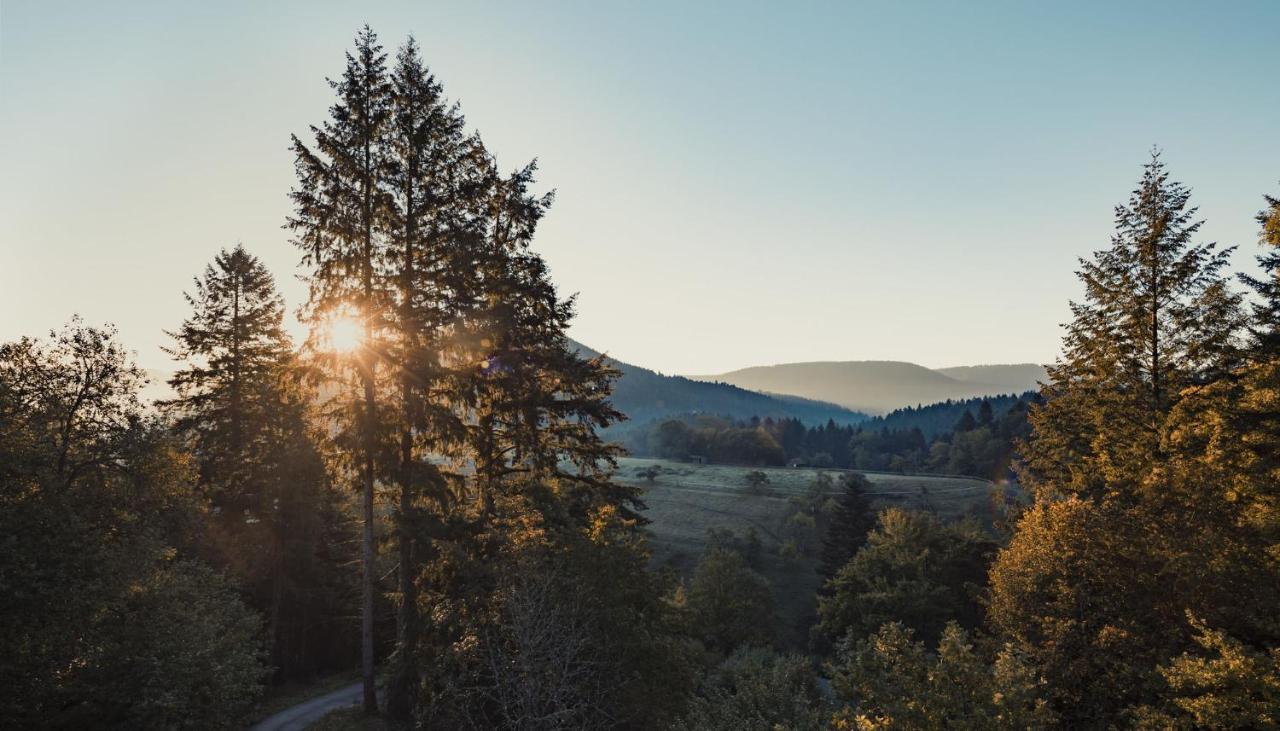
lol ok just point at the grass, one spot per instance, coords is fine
(686, 500)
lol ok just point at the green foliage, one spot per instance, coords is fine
(1265, 325)
(1163, 434)
(756, 482)
(1157, 318)
(729, 604)
(894, 683)
(851, 520)
(982, 449)
(757, 690)
(275, 524)
(565, 634)
(1070, 554)
(1223, 684)
(187, 658)
(913, 569)
(718, 440)
(108, 621)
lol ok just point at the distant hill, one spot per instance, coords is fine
(645, 395)
(1025, 374)
(879, 386)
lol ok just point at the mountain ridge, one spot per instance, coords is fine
(880, 386)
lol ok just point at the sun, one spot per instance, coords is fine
(346, 333)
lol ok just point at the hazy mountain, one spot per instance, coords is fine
(1024, 374)
(644, 395)
(879, 386)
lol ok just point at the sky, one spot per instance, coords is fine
(736, 184)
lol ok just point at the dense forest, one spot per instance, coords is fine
(420, 490)
(906, 440)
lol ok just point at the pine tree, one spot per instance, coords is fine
(966, 422)
(985, 416)
(232, 347)
(1265, 326)
(239, 403)
(853, 518)
(1138, 432)
(425, 146)
(339, 221)
(1157, 317)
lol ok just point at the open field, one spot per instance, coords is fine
(686, 500)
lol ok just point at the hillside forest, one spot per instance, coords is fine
(943, 438)
(420, 491)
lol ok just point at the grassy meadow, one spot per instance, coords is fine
(686, 500)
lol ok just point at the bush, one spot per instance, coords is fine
(757, 690)
(730, 605)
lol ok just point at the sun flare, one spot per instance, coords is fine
(345, 333)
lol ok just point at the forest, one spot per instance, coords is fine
(975, 446)
(420, 492)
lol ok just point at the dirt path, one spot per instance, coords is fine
(306, 713)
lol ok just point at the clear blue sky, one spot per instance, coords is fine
(738, 184)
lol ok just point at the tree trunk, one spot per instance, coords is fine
(400, 692)
(366, 561)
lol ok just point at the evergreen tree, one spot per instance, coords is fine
(339, 221)
(238, 401)
(425, 145)
(966, 423)
(1265, 326)
(913, 569)
(232, 347)
(853, 519)
(1157, 317)
(985, 416)
(1141, 430)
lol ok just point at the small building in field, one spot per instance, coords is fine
(797, 462)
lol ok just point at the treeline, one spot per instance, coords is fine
(980, 445)
(939, 418)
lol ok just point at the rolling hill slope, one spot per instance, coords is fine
(645, 395)
(879, 386)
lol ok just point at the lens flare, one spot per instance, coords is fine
(346, 333)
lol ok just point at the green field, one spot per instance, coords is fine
(686, 500)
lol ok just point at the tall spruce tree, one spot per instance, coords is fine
(1157, 317)
(853, 518)
(426, 149)
(340, 220)
(237, 399)
(1265, 326)
(1136, 433)
(231, 347)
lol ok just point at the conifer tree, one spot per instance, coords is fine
(1140, 431)
(339, 222)
(239, 403)
(425, 147)
(985, 415)
(1265, 326)
(232, 347)
(1157, 317)
(852, 520)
